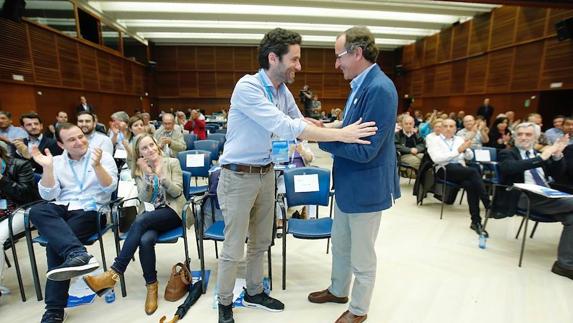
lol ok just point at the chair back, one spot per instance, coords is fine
(220, 137)
(187, 164)
(189, 139)
(186, 183)
(211, 146)
(211, 127)
(301, 185)
(37, 177)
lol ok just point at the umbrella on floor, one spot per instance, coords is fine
(195, 291)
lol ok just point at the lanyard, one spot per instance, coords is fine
(3, 167)
(155, 189)
(267, 87)
(85, 172)
(450, 146)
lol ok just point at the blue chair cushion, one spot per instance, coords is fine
(310, 229)
(91, 240)
(216, 231)
(196, 190)
(171, 236)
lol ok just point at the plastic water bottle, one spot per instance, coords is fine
(482, 240)
(110, 297)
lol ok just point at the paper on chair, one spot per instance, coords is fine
(195, 160)
(124, 188)
(542, 190)
(306, 183)
(482, 155)
(120, 154)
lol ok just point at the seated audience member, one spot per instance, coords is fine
(476, 131)
(17, 187)
(523, 164)
(8, 133)
(425, 128)
(180, 118)
(409, 144)
(418, 118)
(136, 127)
(159, 182)
(149, 126)
(196, 126)
(536, 119)
(436, 127)
(61, 117)
(510, 115)
(170, 139)
(500, 136)
(86, 122)
(450, 152)
(568, 128)
(99, 127)
(460, 119)
(557, 131)
(80, 182)
(118, 130)
(32, 123)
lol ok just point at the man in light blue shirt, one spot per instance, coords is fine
(9, 133)
(262, 107)
(79, 182)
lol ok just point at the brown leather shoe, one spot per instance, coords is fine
(348, 317)
(324, 296)
(103, 282)
(151, 299)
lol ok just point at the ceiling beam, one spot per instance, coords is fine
(567, 4)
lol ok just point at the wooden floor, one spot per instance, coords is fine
(429, 270)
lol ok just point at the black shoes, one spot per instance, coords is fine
(264, 301)
(54, 316)
(226, 313)
(559, 270)
(75, 265)
(478, 228)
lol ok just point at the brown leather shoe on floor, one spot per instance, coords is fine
(560, 270)
(151, 299)
(324, 296)
(348, 317)
(103, 282)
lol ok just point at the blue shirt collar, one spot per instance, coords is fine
(358, 80)
(268, 83)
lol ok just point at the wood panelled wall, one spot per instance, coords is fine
(204, 76)
(509, 55)
(58, 69)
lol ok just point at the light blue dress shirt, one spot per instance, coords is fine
(258, 110)
(14, 133)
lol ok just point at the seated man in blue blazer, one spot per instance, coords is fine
(522, 164)
(365, 176)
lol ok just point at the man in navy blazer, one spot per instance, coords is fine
(365, 176)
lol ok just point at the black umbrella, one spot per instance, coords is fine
(195, 291)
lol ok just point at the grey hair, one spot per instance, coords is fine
(120, 116)
(536, 128)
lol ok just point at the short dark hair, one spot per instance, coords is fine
(276, 41)
(559, 116)
(363, 38)
(7, 114)
(63, 126)
(30, 115)
(81, 113)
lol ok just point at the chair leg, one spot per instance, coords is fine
(216, 251)
(34, 266)
(327, 245)
(443, 198)
(284, 254)
(7, 260)
(534, 228)
(117, 250)
(17, 265)
(187, 259)
(523, 241)
(520, 226)
(102, 253)
(462, 197)
(202, 261)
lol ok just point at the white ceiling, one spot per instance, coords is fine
(243, 22)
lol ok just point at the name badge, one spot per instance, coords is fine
(3, 204)
(279, 153)
(482, 155)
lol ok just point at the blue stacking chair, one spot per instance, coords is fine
(211, 146)
(443, 183)
(196, 172)
(96, 237)
(220, 137)
(222, 130)
(171, 236)
(189, 139)
(211, 127)
(311, 229)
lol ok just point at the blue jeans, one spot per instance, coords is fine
(65, 231)
(143, 234)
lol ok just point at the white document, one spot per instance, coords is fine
(482, 155)
(195, 160)
(306, 183)
(148, 207)
(124, 188)
(542, 190)
(120, 154)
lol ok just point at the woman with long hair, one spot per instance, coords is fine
(500, 136)
(160, 183)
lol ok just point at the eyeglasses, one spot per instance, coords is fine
(339, 56)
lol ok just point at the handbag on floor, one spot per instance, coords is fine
(178, 283)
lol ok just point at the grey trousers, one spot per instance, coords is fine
(353, 238)
(247, 202)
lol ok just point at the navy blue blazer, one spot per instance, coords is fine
(365, 176)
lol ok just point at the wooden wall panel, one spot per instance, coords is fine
(207, 84)
(244, 59)
(526, 66)
(479, 34)
(558, 63)
(476, 74)
(556, 15)
(224, 58)
(104, 72)
(45, 56)
(185, 58)
(499, 70)
(225, 84)
(530, 23)
(166, 57)
(116, 66)
(14, 58)
(205, 58)
(445, 45)
(167, 84)
(89, 68)
(503, 26)
(442, 79)
(458, 81)
(188, 84)
(408, 56)
(69, 63)
(17, 98)
(417, 83)
(431, 49)
(461, 34)
(313, 60)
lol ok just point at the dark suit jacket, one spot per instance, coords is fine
(400, 142)
(18, 184)
(512, 169)
(366, 176)
(81, 108)
(486, 112)
(49, 143)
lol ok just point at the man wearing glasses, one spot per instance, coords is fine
(365, 176)
(262, 106)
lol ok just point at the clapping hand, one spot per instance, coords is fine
(46, 160)
(144, 166)
(96, 157)
(22, 148)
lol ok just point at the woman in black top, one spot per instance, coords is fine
(500, 136)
